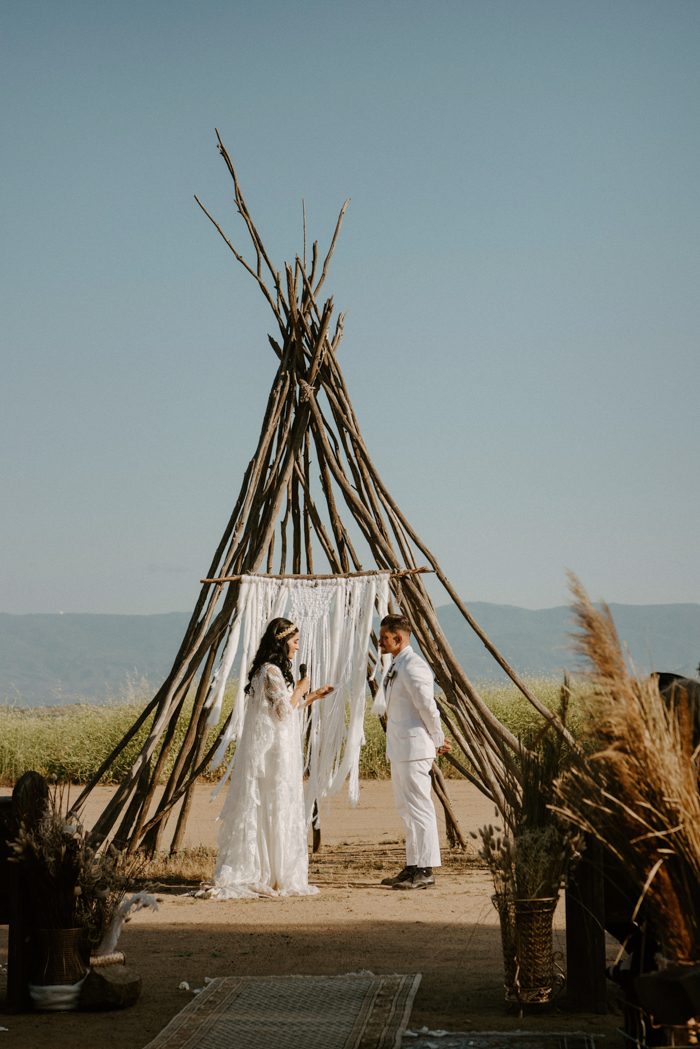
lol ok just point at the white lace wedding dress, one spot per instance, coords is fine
(263, 835)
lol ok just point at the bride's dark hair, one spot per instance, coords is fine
(273, 649)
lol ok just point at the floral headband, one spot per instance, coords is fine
(287, 632)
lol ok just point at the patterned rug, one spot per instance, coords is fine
(499, 1040)
(357, 1011)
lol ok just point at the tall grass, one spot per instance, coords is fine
(71, 742)
(637, 793)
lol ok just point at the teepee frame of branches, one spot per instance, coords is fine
(310, 461)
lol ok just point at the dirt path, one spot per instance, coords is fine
(449, 933)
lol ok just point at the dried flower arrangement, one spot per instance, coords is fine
(528, 860)
(529, 856)
(74, 884)
(637, 793)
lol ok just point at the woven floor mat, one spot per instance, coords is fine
(500, 1040)
(357, 1011)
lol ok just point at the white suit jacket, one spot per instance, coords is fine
(413, 728)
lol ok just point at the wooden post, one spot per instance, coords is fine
(585, 934)
(18, 944)
(7, 830)
(29, 799)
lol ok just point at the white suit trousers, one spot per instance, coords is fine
(414, 804)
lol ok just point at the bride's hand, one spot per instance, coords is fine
(319, 693)
(300, 695)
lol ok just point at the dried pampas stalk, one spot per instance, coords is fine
(637, 792)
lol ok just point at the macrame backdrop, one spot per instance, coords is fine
(334, 617)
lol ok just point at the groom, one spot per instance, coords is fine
(413, 738)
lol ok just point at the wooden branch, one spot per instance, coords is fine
(382, 549)
(334, 240)
(308, 546)
(342, 539)
(243, 210)
(156, 770)
(195, 728)
(296, 524)
(123, 743)
(394, 573)
(454, 831)
(363, 455)
(283, 530)
(351, 423)
(324, 539)
(246, 265)
(187, 783)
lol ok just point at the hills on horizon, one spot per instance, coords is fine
(51, 659)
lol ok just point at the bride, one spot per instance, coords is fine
(263, 835)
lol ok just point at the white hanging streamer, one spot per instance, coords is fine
(335, 621)
(260, 599)
(337, 653)
(217, 685)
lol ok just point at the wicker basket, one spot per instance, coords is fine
(505, 905)
(58, 969)
(528, 953)
(535, 978)
(58, 956)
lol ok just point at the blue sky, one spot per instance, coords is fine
(519, 266)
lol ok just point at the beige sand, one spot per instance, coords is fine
(448, 933)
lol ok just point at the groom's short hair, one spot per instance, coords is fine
(396, 623)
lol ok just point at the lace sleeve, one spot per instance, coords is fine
(277, 691)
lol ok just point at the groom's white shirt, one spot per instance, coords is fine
(413, 730)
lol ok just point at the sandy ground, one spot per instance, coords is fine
(448, 933)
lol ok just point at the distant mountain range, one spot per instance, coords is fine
(55, 659)
(539, 643)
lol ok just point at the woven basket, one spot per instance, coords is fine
(528, 953)
(58, 956)
(534, 979)
(58, 969)
(505, 905)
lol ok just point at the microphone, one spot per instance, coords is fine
(302, 670)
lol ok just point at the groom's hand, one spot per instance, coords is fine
(444, 748)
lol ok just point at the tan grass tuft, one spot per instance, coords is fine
(637, 793)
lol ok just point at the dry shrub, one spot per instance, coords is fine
(73, 883)
(637, 792)
(188, 866)
(531, 854)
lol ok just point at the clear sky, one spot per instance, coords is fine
(519, 266)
